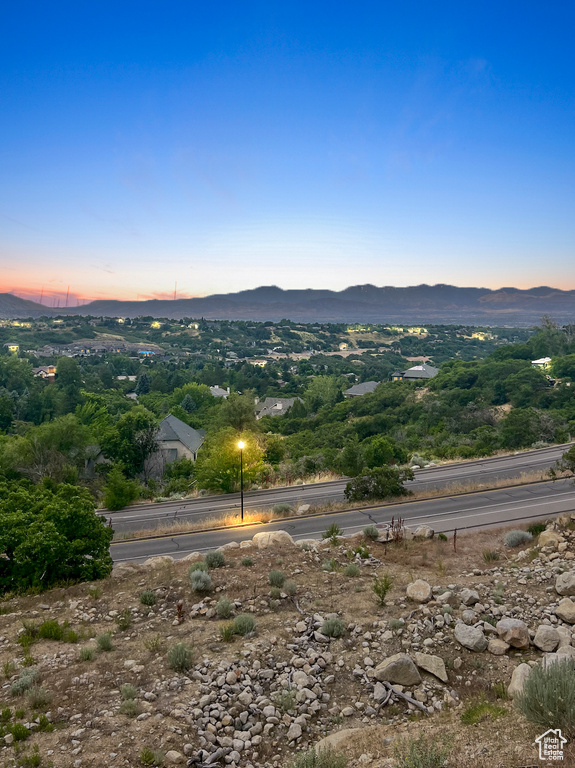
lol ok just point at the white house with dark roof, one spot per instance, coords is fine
(365, 388)
(177, 440)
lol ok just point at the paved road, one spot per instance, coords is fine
(489, 508)
(482, 471)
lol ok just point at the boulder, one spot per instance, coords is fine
(303, 509)
(471, 638)
(549, 539)
(420, 591)
(565, 583)
(518, 678)
(513, 631)
(564, 635)
(497, 647)
(546, 638)
(399, 669)
(424, 532)
(193, 557)
(174, 758)
(469, 597)
(566, 610)
(307, 543)
(337, 739)
(124, 569)
(267, 539)
(159, 562)
(432, 664)
(230, 545)
(294, 732)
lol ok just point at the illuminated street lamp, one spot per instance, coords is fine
(241, 446)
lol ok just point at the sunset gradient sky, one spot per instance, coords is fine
(325, 144)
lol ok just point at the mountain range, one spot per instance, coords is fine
(443, 304)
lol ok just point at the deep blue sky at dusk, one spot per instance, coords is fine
(229, 145)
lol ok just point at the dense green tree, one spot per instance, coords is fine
(218, 464)
(379, 483)
(119, 491)
(131, 440)
(49, 536)
(237, 412)
(143, 385)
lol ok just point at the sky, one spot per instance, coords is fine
(224, 146)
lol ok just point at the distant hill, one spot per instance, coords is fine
(13, 307)
(361, 303)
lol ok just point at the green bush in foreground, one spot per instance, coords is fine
(548, 697)
(381, 587)
(420, 752)
(244, 624)
(201, 582)
(151, 758)
(333, 628)
(516, 538)
(215, 559)
(24, 682)
(104, 642)
(148, 597)
(371, 532)
(277, 578)
(320, 758)
(224, 608)
(180, 657)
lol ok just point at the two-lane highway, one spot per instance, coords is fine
(482, 471)
(473, 510)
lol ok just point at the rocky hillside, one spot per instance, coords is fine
(277, 647)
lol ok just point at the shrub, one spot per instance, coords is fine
(244, 624)
(8, 668)
(19, 731)
(282, 509)
(104, 642)
(224, 608)
(38, 698)
(333, 532)
(490, 555)
(95, 592)
(275, 593)
(381, 587)
(277, 578)
(215, 559)
(124, 620)
(330, 565)
(285, 699)
(228, 632)
(130, 708)
(480, 711)
(151, 758)
(247, 562)
(201, 582)
(24, 682)
(361, 551)
(43, 725)
(148, 597)
(128, 691)
(395, 624)
(420, 752)
(442, 537)
(290, 587)
(154, 644)
(320, 758)
(199, 566)
(548, 697)
(352, 570)
(516, 538)
(180, 657)
(371, 532)
(378, 483)
(333, 627)
(536, 528)
(119, 491)
(32, 760)
(51, 630)
(87, 653)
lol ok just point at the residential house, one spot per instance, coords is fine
(274, 406)
(543, 363)
(219, 392)
(177, 440)
(45, 372)
(365, 388)
(415, 373)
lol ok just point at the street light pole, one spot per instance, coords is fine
(241, 447)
